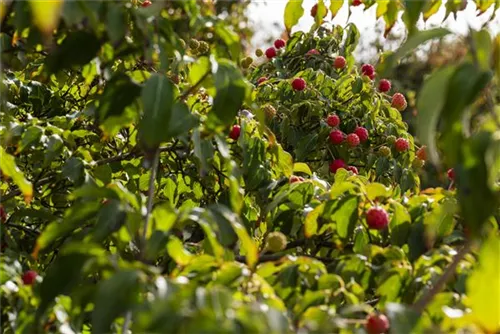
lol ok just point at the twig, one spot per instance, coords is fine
(422, 303)
(151, 192)
(193, 87)
(126, 322)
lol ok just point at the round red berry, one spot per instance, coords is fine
(377, 324)
(384, 85)
(399, 102)
(362, 133)
(333, 120)
(422, 153)
(352, 140)
(377, 218)
(295, 178)
(235, 132)
(372, 76)
(356, 2)
(367, 69)
(29, 277)
(312, 52)
(279, 43)
(337, 164)
(401, 144)
(298, 84)
(336, 137)
(451, 174)
(270, 53)
(339, 62)
(261, 80)
(353, 169)
(146, 3)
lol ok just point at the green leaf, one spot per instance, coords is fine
(401, 318)
(55, 146)
(111, 217)
(377, 190)
(409, 46)
(158, 97)
(231, 90)
(77, 49)
(164, 217)
(320, 12)
(120, 92)
(30, 137)
(431, 100)
(399, 226)
(176, 250)
(440, 221)
(413, 9)
(116, 23)
(300, 167)
(311, 221)
(230, 38)
(344, 213)
(9, 169)
(46, 14)
(481, 294)
(74, 170)
(114, 297)
(335, 6)
(390, 16)
(182, 120)
(293, 13)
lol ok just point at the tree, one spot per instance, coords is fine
(155, 179)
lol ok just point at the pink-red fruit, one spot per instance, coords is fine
(377, 218)
(401, 145)
(235, 132)
(336, 137)
(336, 165)
(339, 63)
(451, 174)
(146, 3)
(352, 140)
(353, 169)
(333, 120)
(29, 277)
(377, 324)
(312, 52)
(384, 85)
(399, 102)
(422, 153)
(279, 43)
(356, 2)
(261, 80)
(298, 84)
(295, 178)
(362, 133)
(367, 70)
(271, 53)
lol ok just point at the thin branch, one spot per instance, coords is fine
(151, 192)
(126, 322)
(422, 303)
(193, 87)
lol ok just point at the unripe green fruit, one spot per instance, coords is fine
(259, 52)
(243, 63)
(183, 43)
(194, 44)
(384, 151)
(417, 163)
(249, 60)
(275, 242)
(391, 139)
(203, 48)
(269, 110)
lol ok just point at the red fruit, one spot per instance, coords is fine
(312, 52)
(261, 80)
(333, 120)
(367, 70)
(401, 145)
(339, 62)
(362, 133)
(314, 11)
(372, 76)
(294, 179)
(29, 277)
(3, 214)
(271, 53)
(356, 2)
(336, 164)
(377, 218)
(422, 153)
(336, 137)
(377, 324)
(146, 3)
(279, 43)
(352, 140)
(235, 132)
(384, 85)
(352, 169)
(451, 174)
(298, 84)
(399, 102)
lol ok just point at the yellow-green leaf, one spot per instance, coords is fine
(335, 6)
(300, 167)
(9, 169)
(46, 14)
(293, 13)
(483, 287)
(311, 221)
(176, 250)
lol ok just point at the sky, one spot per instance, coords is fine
(267, 16)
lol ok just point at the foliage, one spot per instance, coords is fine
(122, 189)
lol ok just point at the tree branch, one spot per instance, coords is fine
(422, 303)
(151, 192)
